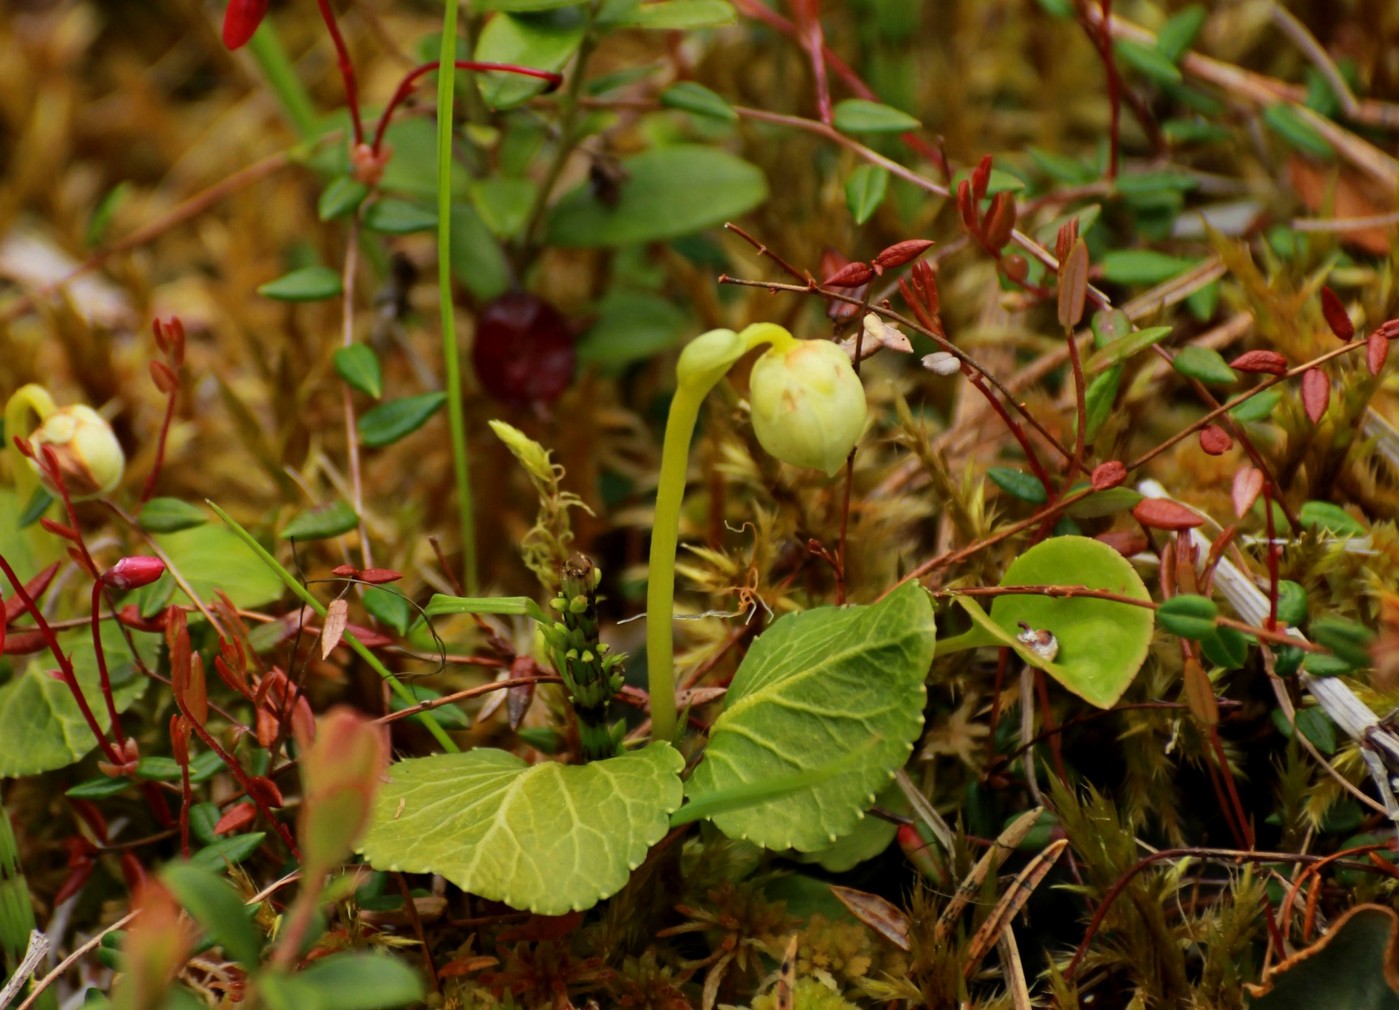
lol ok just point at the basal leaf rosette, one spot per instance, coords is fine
(547, 838)
(818, 687)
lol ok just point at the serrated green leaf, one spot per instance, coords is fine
(358, 365)
(1018, 484)
(169, 515)
(548, 838)
(814, 686)
(1148, 62)
(41, 726)
(1322, 515)
(390, 216)
(856, 115)
(396, 419)
(668, 15)
(1205, 364)
(321, 522)
(696, 99)
(1122, 348)
(212, 559)
(309, 284)
(217, 908)
(864, 191)
(340, 197)
(1188, 615)
(668, 192)
(1291, 125)
(544, 41)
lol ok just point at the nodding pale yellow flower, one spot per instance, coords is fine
(89, 456)
(808, 404)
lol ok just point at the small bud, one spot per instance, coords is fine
(1270, 362)
(1336, 316)
(89, 457)
(1214, 440)
(808, 404)
(1000, 220)
(1108, 475)
(134, 572)
(942, 363)
(900, 253)
(852, 275)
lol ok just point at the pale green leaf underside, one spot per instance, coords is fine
(816, 686)
(41, 727)
(548, 838)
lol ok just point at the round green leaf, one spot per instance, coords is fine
(360, 980)
(668, 192)
(358, 365)
(211, 558)
(543, 41)
(504, 204)
(395, 419)
(41, 726)
(1322, 515)
(170, 515)
(818, 686)
(399, 217)
(1102, 644)
(697, 100)
(856, 115)
(549, 838)
(309, 284)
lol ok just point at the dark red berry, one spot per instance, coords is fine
(523, 352)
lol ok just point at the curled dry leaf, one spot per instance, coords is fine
(1336, 315)
(1270, 362)
(336, 613)
(1316, 393)
(1163, 514)
(1109, 474)
(942, 363)
(1215, 440)
(880, 915)
(1248, 485)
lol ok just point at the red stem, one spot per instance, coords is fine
(148, 488)
(101, 655)
(347, 69)
(405, 87)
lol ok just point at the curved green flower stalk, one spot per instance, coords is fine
(808, 410)
(85, 450)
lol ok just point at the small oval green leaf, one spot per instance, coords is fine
(1205, 364)
(322, 522)
(216, 907)
(395, 419)
(1188, 615)
(358, 365)
(167, 515)
(309, 284)
(864, 191)
(399, 217)
(679, 15)
(856, 115)
(696, 99)
(1291, 125)
(1322, 515)
(340, 197)
(1149, 62)
(1019, 484)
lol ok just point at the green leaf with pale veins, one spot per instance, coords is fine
(814, 687)
(548, 838)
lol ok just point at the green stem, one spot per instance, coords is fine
(456, 416)
(276, 67)
(359, 648)
(703, 363)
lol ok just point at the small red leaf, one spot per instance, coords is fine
(1376, 350)
(1215, 440)
(240, 20)
(164, 377)
(1260, 361)
(981, 178)
(240, 815)
(1316, 393)
(1064, 241)
(1124, 542)
(900, 253)
(1073, 285)
(379, 576)
(1109, 474)
(1336, 316)
(852, 275)
(58, 529)
(1248, 484)
(1163, 514)
(966, 206)
(345, 571)
(1000, 220)
(264, 789)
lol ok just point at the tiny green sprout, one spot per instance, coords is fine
(808, 410)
